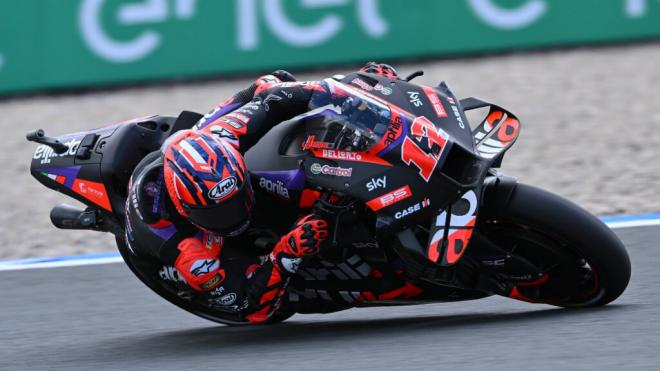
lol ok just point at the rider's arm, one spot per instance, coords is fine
(257, 291)
(273, 102)
(242, 97)
(267, 284)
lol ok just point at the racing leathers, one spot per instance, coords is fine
(224, 272)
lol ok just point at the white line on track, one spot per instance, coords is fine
(633, 223)
(108, 258)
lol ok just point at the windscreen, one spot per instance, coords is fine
(356, 120)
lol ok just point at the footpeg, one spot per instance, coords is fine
(70, 217)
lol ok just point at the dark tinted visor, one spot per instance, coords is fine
(226, 216)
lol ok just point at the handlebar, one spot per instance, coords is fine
(39, 136)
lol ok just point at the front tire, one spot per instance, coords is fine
(580, 260)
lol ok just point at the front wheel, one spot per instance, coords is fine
(553, 251)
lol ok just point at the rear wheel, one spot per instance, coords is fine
(553, 251)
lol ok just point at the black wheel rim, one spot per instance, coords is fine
(567, 277)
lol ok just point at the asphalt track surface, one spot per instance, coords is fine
(101, 318)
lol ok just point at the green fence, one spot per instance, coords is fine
(47, 44)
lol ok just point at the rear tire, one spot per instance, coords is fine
(556, 235)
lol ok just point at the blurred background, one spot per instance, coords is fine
(582, 76)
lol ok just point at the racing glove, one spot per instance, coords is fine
(380, 69)
(284, 76)
(199, 264)
(304, 240)
(262, 83)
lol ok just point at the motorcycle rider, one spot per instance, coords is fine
(189, 203)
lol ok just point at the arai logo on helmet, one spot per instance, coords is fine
(223, 188)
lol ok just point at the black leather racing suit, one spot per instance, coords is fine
(251, 289)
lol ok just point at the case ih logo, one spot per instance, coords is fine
(412, 209)
(391, 198)
(223, 188)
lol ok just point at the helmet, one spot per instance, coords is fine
(380, 69)
(207, 181)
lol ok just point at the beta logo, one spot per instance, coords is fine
(223, 188)
(412, 209)
(376, 183)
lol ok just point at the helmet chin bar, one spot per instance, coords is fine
(230, 232)
(238, 230)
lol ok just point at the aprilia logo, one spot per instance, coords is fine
(274, 187)
(394, 131)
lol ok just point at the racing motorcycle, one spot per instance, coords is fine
(416, 189)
